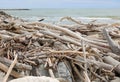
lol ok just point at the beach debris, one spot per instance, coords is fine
(115, 47)
(83, 52)
(41, 20)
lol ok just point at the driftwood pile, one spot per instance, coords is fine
(83, 52)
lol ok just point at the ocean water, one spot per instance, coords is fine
(55, 14)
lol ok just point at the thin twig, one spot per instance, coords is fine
(68, 52)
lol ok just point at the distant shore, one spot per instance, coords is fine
(14, 9)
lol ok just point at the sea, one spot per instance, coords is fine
(54, 14)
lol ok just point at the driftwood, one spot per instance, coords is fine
(115, 48)
(13, 73)
(113, 62)
(10, 69)
(77, 53)
(18, 65)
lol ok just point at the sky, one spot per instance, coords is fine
(59, 3)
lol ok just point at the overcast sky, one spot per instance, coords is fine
(59, 3)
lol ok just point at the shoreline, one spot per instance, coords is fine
(13, 9)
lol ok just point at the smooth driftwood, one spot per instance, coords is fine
(71, 19)
(13, 73)
(97, 63)
(112, 61)
(113, 55)
(18, 65)
(100, 64)
(115, 48)
(115, 34)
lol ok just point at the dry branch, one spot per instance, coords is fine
(10, 68)
(18, 65)
(13, 73)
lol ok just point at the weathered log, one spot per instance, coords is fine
(115, 48)
(112, 61)
(97, 63)
(18, 65)
(13, 73)
(10, 68)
